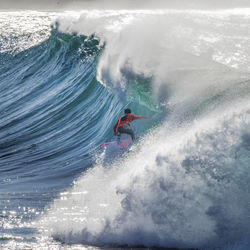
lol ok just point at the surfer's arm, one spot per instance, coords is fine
(115, 126)
(135, 117)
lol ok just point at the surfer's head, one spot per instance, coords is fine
(127, 111)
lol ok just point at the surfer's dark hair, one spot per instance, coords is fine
(127, 111)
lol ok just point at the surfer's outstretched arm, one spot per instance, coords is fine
(135, 117)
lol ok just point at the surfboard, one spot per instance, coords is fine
(122, 144)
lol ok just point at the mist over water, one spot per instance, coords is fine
(184, 55)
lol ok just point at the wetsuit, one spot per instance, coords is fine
(123, 123)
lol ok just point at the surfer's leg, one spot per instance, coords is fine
(131, 134)
(126, 130)
(118, 137)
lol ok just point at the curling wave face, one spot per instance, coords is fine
(42, 119)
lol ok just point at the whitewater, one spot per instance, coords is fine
(66, 77)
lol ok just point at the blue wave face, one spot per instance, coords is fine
(51, 110)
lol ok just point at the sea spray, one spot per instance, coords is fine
(174, 192)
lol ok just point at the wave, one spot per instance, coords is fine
(45, 94)
(54, 111)
(185, 182)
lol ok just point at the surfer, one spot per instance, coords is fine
(123, 123)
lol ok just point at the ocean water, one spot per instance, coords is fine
(65, 78)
